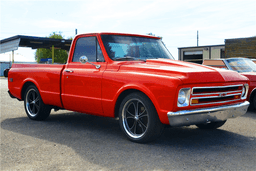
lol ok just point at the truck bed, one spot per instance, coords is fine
(46, 77)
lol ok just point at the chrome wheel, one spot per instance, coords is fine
(135, 118)
(138, 118)
(32, 102)
(34, 105)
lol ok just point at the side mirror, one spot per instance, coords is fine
(84, 59)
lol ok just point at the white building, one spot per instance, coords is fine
(198, 53)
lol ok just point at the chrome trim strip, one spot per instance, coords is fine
(239, 91)
(206, 115)
(214, 102)
(212, 97)
(246, 91)
(212, 87)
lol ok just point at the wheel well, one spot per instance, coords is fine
(24, 88)
(121, 97)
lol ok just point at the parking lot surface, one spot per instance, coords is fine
(74, 141)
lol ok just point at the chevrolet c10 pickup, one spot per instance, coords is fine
(133, 78)
(243, 66)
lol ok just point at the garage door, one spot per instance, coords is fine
(193, 56)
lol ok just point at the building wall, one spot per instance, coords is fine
(208, 52)
(216, 52)
(242, 47)
(3, 66)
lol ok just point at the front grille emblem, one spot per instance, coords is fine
(222, 94)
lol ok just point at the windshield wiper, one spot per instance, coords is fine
(128, 58)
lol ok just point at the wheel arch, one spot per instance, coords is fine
(121, 97)
(25, 85)
(131, 89)
(38, 111)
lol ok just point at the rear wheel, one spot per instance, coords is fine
(34, 106)
(212, 125)
(138, 118)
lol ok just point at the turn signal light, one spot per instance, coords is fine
(195, 101)
(237, 97)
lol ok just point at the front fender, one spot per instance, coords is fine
(156, 98)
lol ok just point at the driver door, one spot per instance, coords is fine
(81, 85)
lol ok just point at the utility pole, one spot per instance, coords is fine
(75, 31)
(197, 38)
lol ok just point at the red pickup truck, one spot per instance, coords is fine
(134, 78)
(243, 66)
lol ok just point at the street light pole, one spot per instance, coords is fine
(197, 38)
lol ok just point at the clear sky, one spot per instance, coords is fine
(177, 21)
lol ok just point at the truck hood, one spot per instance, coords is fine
(187, 72)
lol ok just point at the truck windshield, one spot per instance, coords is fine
(134, 48)
(242, 65)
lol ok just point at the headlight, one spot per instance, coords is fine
(244, 91)
(183, 97)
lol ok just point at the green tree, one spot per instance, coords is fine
(60, 55)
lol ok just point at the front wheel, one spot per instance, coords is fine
(138, 118)
(212, 125)
(253, 102)
(34, 106)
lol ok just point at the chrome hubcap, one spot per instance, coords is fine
(32, 102)
(135, 118)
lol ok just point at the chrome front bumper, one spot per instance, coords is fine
(206, 115)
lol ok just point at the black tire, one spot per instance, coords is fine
(212, 125)
(138, 118)
(6, 72)
(34, 106)
(253, 103)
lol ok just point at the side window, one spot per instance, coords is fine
(89, 47)
(85, 46)
(100, 57)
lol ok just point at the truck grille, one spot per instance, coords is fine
(217, 94)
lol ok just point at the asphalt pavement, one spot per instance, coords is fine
(74, 141)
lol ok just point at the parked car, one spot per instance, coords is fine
(243, 66)
(133, 77)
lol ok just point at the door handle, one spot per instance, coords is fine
(67, 70)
